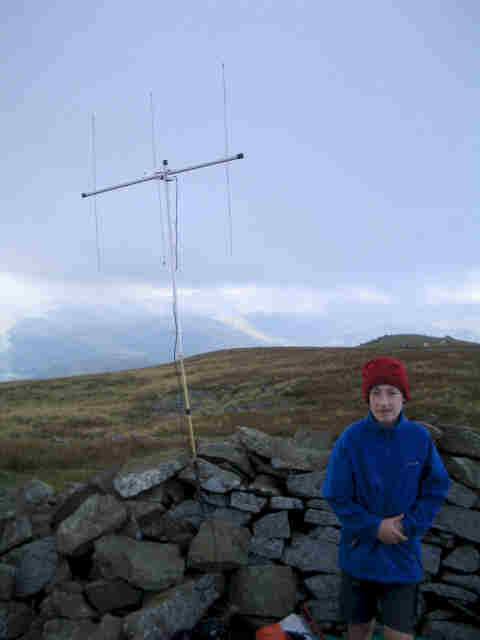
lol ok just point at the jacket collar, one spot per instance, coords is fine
(373, 425)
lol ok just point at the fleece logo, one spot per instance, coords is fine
(412, 463)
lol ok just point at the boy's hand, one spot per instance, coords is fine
(391, 530)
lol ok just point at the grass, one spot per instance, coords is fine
(66, 429)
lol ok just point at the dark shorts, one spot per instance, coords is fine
(394, 605)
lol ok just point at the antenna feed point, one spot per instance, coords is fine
(240, 156)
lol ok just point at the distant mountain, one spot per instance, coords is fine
(415, 340)
(64, 344)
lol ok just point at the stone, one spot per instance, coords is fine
(328, 534)
(210, 477)
(462, 522)
(461, 495)
(444, 630)
(234, 516)
(247, 501)
(219, 546)
(191, 511)
(307, 485)
(465, 559)
(168, 529)
(265, 486)
(35, 564)
(448, 591)
(37, 492)
(108, 595)
(70, 500)
(218, 452)
(267, 591)
(326, 609)
(63, 604)
(315, 516)
(62, 629)
(460, 440)
(271, 548)
(110, 628)
(440, 538)
(177, 609)
(273, 525)
(324, 586)
(151, 566)
(138, 476)
(310, 554)
(97, 516)
(215, 499)
(7, 581)
(464, 470)
(431, 556)
(15, 619)
(143, 509)
(467, 581)
(14, 532)
(435, 432)
(286, 503)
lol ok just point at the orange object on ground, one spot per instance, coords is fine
(272, 632)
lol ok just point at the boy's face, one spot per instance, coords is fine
(385, 403)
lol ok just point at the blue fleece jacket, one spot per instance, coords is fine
(377, 472)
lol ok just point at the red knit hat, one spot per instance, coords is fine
(384, 371)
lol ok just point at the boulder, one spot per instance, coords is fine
(460, 441)
(62, 629)
(464, 470)
(307, 485)
(465, 559)
(35, 565)
(218, 452)
(177, 609)
(462, 522)
(268, 591)
(210, 477)
(309, 554)
(15, 619)
(65, 604)
(151, 566)
(138, 476)
(108, 595)
(98, 515)
(219, 545)
(14, 532)
(273, 525)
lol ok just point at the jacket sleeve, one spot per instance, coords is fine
(339, 491)
(434, 486)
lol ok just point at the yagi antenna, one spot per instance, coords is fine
(166, 175)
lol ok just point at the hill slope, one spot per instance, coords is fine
(100, 420)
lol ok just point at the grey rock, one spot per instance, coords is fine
(468, 582)
(464, 470)
(440, 538)
(110, 628)
(319, 503)
(37, 492)
(266, 468)
(10, 501)
(310, 554)
(210, 477)
(69, 501)
(247, 501)
(168, 529)
(324, 586)
(152, 566)
(440, 614)
(443, 630)
(460, 440)
(326, 609)
(62, 629)
(328, 534)
(435, 432)
(462, 522)
(307, 485)
(181, 608)
(106, 595)
(15, 619)
(234, 516)
(14, 532)
(315, 516)
(267, 591)
(191, 511)
(447, 591)
(266, 548)
(219, 546)
(138, 476)
(461, 495)
(97, 516)
(273, 525)
(35, 564)
(465, 558)
(215, 499)
(431, 558)
(7, 581)
(64, 604)
(143, 509)
(265, 486)
(218, 452)
(286, 503)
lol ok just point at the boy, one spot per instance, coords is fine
(386, 483)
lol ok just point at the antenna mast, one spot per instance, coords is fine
(166, 174)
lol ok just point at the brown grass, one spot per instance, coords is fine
(62, 427)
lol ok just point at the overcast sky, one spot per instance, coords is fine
(356, 201)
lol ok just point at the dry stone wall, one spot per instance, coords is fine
(147, 550)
